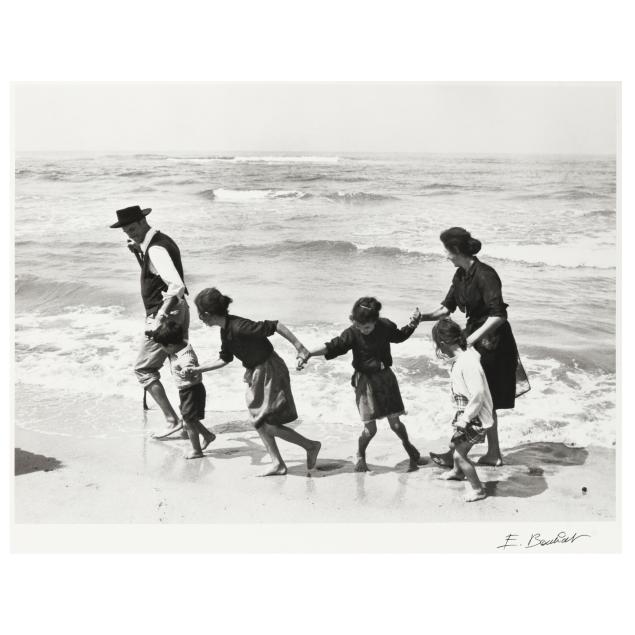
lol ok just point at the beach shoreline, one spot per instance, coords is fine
(135, 479)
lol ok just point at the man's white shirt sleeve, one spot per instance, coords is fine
(162, 264)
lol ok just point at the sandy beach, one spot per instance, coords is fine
(128, 477)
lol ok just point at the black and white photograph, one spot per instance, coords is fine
(317, 302)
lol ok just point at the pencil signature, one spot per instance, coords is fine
(538, 540)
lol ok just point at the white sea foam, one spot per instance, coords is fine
(286, 159)
(89, 352)
(247, 195)
(582, 253)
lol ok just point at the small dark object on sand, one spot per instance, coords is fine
(584, 490)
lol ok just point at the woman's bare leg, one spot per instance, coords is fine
(493, 455)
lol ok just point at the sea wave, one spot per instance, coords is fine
(325, 248)
(255, 194)
(585, 253)
(573, 194)
(224, 194)
(33, 292)
(260, 159)
(359, 197)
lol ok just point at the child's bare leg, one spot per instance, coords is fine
(455, 474)
(369, 431)
(191, 427)
(208, 435)
(279, 468)
(291, 436)
(476, 491)
(400, 430)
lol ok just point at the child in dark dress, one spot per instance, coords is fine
(169, 335)
(376, 388)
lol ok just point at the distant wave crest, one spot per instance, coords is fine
(338, 197)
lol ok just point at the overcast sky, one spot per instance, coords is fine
(317, 117)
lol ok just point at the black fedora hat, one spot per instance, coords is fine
(130, 215)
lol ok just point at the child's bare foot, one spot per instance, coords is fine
(472, 495)
(194, 455)
(279, 469)
(207, 440)
(311, 455)
(168, 431)
(452, 475)
(361, 466)
(494, 460)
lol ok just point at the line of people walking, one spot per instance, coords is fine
(486, 374)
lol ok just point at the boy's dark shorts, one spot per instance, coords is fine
(193, 402)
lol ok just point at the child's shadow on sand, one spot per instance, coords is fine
(534, 457)
(331, 467)
(255, 451)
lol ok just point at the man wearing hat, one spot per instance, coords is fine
(163, 292)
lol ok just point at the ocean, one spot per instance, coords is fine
(299, 238)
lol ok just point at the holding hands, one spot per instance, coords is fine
(189, 373)
(302, 357)
(415, 318)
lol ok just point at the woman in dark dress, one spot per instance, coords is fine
(269, 397)
(476, 291)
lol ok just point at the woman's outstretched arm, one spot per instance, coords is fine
(192, 371)
(437, 314)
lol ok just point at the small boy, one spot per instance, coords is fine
(169, 335)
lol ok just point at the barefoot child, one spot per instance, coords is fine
(169, 335)
(376, 388)
(473, 416)
(269, 398)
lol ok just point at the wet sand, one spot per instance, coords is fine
(127, 477)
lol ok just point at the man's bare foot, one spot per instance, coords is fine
(442, 460)
(207, 440)
(472, 495)
(491, 460)
(452, 475)
(361, 466)
(279, 469)
(311, 455)
(168, 431)
(194, 455)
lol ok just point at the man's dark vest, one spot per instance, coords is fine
(152, 285)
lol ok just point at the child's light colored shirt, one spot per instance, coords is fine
(181, 360)
(468, 379)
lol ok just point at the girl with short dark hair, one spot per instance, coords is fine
(376, 389)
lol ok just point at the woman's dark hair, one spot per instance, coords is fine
(447, 333)
(459, 240)
(168, 332)
(212, 301)
(366, 310)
